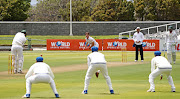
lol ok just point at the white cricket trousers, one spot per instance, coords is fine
(97, 45)
(171, 52)
(17, 51)
(92, 69)
(158, 72)
(40, 78)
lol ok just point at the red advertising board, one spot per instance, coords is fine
(106, 44)
(68, 44)
(113, 44)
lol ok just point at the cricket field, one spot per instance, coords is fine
(129, 80)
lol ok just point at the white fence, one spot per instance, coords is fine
(148, 29)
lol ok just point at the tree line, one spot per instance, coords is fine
(14, 10)
(91, 10)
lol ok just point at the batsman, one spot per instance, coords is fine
(171, 42)
(17, 50)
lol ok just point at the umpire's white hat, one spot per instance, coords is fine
(137, 28)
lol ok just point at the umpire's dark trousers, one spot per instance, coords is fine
(141, 51)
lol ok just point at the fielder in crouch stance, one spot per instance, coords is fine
(39, 73)
(163, 67)
(171, 41)
(17, 51)
(96, 61)
(91, 42)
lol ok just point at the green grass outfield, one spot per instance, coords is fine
(129, 82)
(7, 39)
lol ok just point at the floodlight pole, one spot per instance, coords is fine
(71, 34)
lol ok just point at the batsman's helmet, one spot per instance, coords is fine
(23, 31)
(157, 53)
(94, 49)
(39, 59)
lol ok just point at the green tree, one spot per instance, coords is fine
(47, 10)
(14, 10)
(126, 10)
(139, 9)
(157, 10)
(161, 7)
(173, 10)
(102, 10)
(81, 9)
(150, 10)
(59, 10)
(113, 10)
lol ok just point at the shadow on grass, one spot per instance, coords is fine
(44, 97)
(167, 92)
(109, 94)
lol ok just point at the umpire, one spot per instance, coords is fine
(138, 38)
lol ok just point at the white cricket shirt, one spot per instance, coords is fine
(95, 57)
(90, 40)
(39, 68)
(160, 62)
(19, 39)
(171, 37)
(138, 37)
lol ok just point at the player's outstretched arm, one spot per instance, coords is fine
(85, 45)
(91, 45)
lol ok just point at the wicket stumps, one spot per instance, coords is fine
(124, 54)
(10, 64)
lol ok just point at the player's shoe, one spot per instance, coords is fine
(97, 74)
(26, 96)
(57, 95)
(15, 71)
(135, 60)
(174, 62)
(85, 92)
(151, 90)
(112, 91)
(20, 72)
(142, 60)
(173, 90)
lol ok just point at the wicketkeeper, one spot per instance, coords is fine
(171, 42)
(96, 61)
(39, 72)
(160, 65)
(17, 51)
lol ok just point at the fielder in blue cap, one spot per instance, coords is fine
(159, 66)
(40, 72)
(157, 53)
(94, 49)
(96, 61)
(39, 59)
